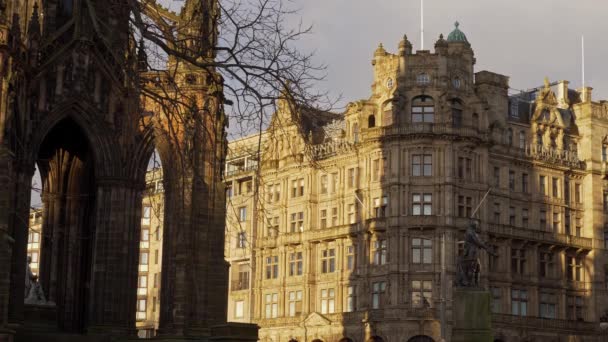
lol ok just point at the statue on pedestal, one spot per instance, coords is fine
(469, 265)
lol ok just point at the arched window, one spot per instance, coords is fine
(371, 121)
(456, 113)
(421, 338)
(356, 132)
(510, 137)
(423, 109)
(522, 139)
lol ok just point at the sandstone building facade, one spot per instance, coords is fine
(335, 229)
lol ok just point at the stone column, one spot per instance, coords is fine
(18, 228)
(113, 284)
(6, 241)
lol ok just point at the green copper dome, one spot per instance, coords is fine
(457, 35)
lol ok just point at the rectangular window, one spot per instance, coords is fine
(350, 299)
(350, 257)
(323, 219)
(241, 240)
(547, 265)
(271, 305)
(519, 302)
(145, 235)
(422, 165)
(143, 281)
(334, 216)
(324, 184)
(567, 190)
(604, 152)
(376, 169)
(277, 192)
(547, 305)
(422, 251)
(578, 193)
(579, 226)
(297, 187)
(352, 178)
(272, 267)
(555, 187)
(422, 204)
(422, 293)
(156, 280)
(378, 290)
(295, 264)
(143, 258)
(334, 183)
(295, 303)
(328, 260)
(297, 222)
(351, 213)
(567, 220)
(328, 301)
(606, 201)
(465, 206)
(496, 212)
(239, 309)
(511, 180)
(574, 269)
(380, 252)
(156, 257)
(575, 308)
(380, 205)
(243, 214)
(496, 304)
(512, 216)
(141, 305)
(542, 182)
(518, 260)
(542, 219)
(524, 183)
(496, 177)
(147, 210)
(522, 140)
(524, 218)
(556, 222)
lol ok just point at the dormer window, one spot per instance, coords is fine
(423, 79)
(423, 109)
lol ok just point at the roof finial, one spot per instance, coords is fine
(456, 24)
(547, 84)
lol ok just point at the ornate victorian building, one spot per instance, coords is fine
(335, 230)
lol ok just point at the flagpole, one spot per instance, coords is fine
(583, 58)
(421, 24)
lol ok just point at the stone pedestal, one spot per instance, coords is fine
(471, 315)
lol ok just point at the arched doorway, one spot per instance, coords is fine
(67, 174)
(421, 338)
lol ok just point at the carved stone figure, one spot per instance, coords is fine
(468, 264)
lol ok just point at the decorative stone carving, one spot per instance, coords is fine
(33, 290)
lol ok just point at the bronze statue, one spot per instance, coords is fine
(468, 264)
